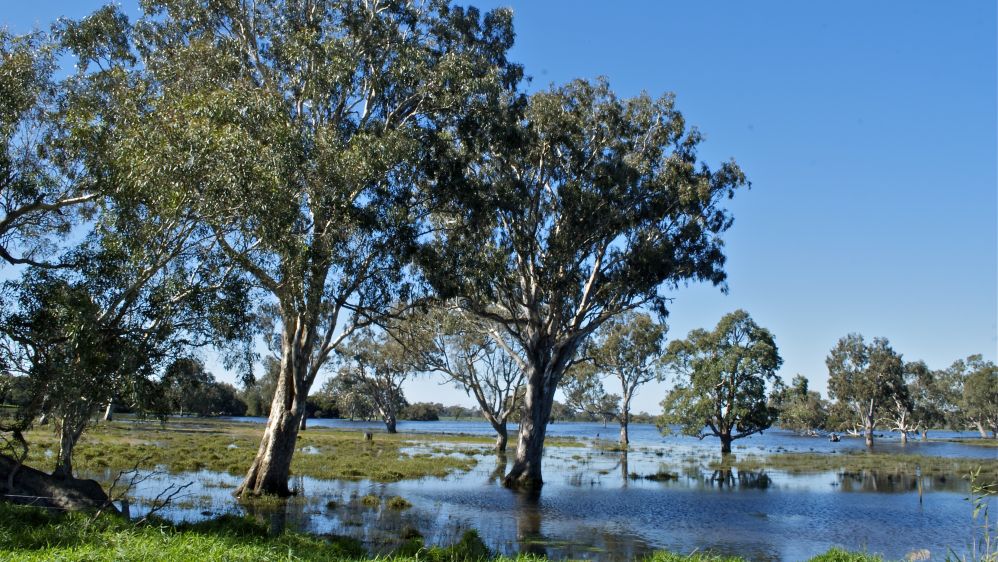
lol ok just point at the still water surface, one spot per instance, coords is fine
(591, 508)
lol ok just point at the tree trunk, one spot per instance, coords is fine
(625, 474)
(109, 412)
(391, 423)
(868, 430)
(69, 435)
(904, 437)
(526, 471)
(981, 430)
(502, 437)
(925, 435)
(272, 466)
(726, 443)
(304, 419)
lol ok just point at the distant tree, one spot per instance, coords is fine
(586, 396)
(258, 394)
(628, 348)
(323, 403)
(582, 207)
(868, 378)
(931, 396)
(978, 380)
(465, 350)
(378, 365)
(186, 384)
(191, 389)
(801, 410)
(721, 380)
(421, 411)
(562, 412)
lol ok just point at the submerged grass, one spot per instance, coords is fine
(796, 463)
(33, 534)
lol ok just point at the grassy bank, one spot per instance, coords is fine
(33, 534)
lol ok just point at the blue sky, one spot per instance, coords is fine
(868, 130)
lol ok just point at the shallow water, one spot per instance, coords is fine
(647, 435)
(591, 507)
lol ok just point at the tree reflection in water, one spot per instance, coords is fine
(742, 479)
(528, 524)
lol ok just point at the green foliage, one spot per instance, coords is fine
(979, 397)
(721, 384)
(421, 411)
(41, 195)
(800, 409)
(868, 378)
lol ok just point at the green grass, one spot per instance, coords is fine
(975, 442)
(33, 534)
(191, 445)
(863, 460)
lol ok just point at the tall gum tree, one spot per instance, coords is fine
(566, 212)
(298, 127)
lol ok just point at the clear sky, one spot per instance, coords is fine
(868, 130)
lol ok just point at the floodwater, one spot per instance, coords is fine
(597, 504)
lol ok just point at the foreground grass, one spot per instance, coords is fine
(32, 534)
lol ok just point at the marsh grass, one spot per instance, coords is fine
(798, 463)
(189, 446)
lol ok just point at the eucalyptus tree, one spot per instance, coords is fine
(977, 381)
(930, 398)
(867, 378)
(86, 336)
(377, 364)
(628, 349)
(721, 385)
(462, 348)
(800, 409)
(567, 211)
(585, 394)
(295, 131)
(40, 195)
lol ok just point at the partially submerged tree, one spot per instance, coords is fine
(800, 409)
(868, 378)
(583, 207)
(978, 380)
(628, 348)
(463, 348)
(295, 132)
(721, 385)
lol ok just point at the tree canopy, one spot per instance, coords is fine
(721, 380)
